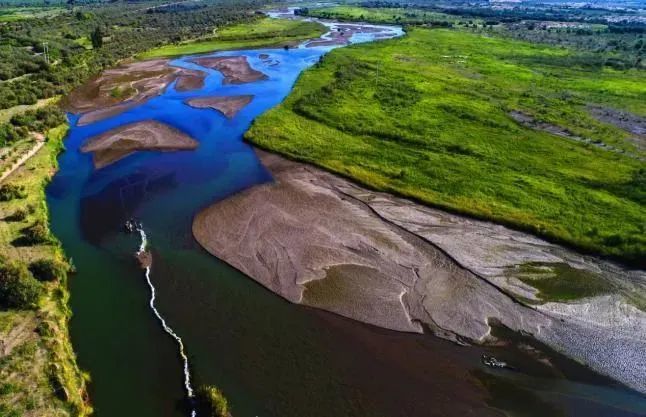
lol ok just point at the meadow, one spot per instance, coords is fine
(428, 117)
(262, 33)
(397, 15)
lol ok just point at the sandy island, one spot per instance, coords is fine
(122, 141)
(126, 86)
(229, 106)
(235, 69)
(319, 240)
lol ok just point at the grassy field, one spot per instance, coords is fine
(38, 372)
(427, 116)
(263, 33)
(386, 15)
(13, 14)
(7, 114)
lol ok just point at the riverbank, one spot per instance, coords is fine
(38, 371)
(319, 240)
(470, 156)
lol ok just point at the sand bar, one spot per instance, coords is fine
(322, 241)
(122, 141)
(236, 69)
(229, 106)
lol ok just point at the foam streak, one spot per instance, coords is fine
(167, 328)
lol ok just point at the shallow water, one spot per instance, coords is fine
(270, 358)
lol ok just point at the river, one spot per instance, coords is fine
(269, 357)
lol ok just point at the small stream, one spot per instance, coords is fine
(269, 357)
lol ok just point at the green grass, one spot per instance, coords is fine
(42, 364)
(561, 282)
(386, 15)
(263, 33)
(85, 42)
(14, 14)
(427, 117)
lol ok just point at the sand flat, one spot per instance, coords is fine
(122, 141)
(320, 240)
(118, 89)
(235, 69)
(229, 106)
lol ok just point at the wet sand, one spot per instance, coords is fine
(229, 106)
(126, 86)
(235, 69)
(190, 82)
(116, 144)
(322, 241)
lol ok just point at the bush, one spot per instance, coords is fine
(18, 215)
(211, 402)
(48, 269)
(18, 288)
(36, 234)
(9, 192)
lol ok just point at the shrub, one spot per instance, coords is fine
(18, 215)
(48, 269)
(9, 192)
(18, 288)
(211, 402)
(36, 234)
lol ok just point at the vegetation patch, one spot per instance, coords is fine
(561, 282)
(211, 402)
(38, 372)
(263, 33)
(436, 127)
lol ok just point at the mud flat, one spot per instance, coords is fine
(322, 241)
(126, 86)
(122, 141)
(229, 106)
(235, 69)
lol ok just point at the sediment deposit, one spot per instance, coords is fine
(122, 141)
(229, 106)
(235, 69)
(320, 240)
(126, 86)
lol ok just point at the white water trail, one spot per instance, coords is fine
(167, 328)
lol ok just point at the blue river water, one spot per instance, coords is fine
(269, 357)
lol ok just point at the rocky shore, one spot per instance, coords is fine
(322, 241)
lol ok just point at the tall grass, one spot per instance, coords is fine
(427, 117)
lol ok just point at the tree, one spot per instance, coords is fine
(48, 269)
(97, 38)
(18, 288)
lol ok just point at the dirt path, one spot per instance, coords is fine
(40, 141)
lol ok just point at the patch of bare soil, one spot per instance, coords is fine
(629, 122)
(322, 241)
(122, 141)
(235, 69)
(229, 106)
(119, 89)
(190, 82)
(528, 121)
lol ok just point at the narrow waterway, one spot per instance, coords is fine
(269, 357)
